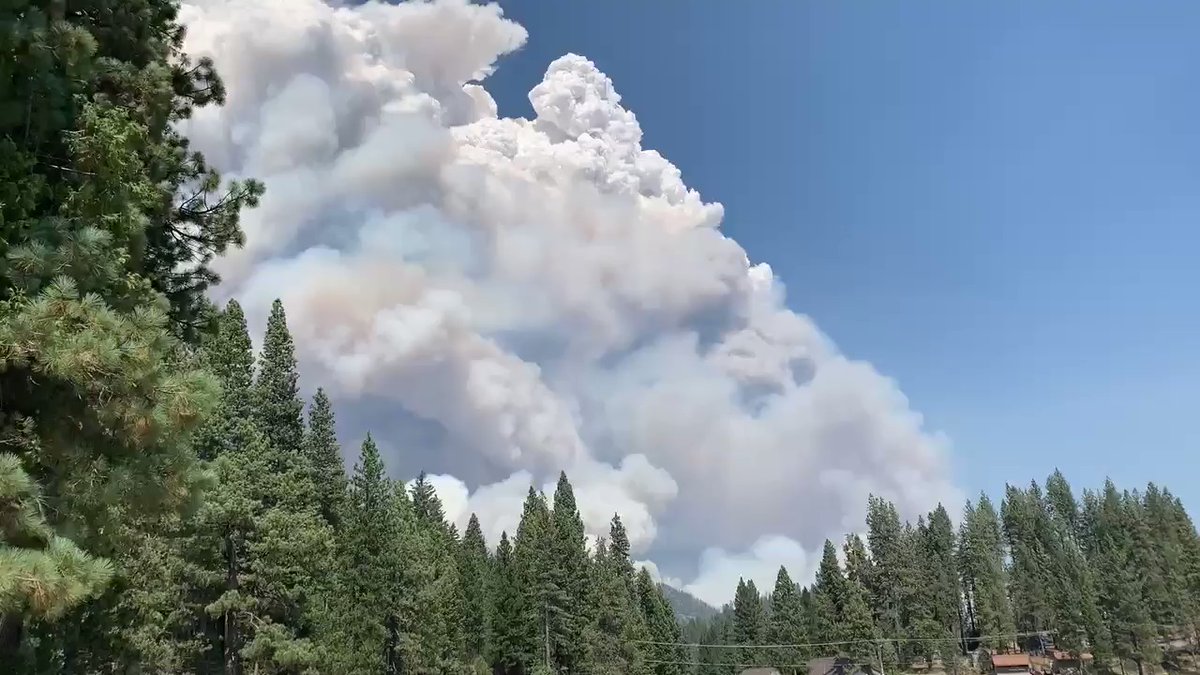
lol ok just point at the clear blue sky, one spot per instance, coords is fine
(998, 204)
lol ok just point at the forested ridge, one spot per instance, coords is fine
(169, 504)
(1115, 575)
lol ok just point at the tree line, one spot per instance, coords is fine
(1115, 574)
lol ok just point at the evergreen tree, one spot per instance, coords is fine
(473, 574)
(829, 595)
(616, 638)
(787, 623)
(324, 458)
(661, 628)
(1110, 546)
(277, 401)
(42, 575)
(535, 580)
(510, 645)
(858, 563)
(435, 624)
(857, 629)
(1030, 570)
(1075, 604)
(618, 549)
(749, 621)
(982, 564)
(569, 613)
(230, 357)
(944, 595)
(1064, 508)
(363, 626)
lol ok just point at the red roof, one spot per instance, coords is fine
(1010, 660)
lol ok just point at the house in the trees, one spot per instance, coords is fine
(839, 665)
(1059, 661)
(1010, 664)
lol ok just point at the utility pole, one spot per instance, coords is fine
(879, 655)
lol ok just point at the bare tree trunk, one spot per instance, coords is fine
(12, 628)
(233, 661)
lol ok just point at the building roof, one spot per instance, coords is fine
(1060, 655)
(1010, 660)
(760, 671)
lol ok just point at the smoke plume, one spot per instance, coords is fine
(499, 299)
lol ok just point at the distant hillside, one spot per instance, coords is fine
(686, 605)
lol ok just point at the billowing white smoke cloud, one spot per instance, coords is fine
(545, 294)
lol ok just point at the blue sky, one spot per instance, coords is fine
(994, 203)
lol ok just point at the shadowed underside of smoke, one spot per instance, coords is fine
(500, 299)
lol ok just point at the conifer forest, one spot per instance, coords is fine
(170, 504)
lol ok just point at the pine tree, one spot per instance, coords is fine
(435, 624)
(324, 457)
(277, 401)
(661, 628)
(42, 575)
(749, 621)
(857, 628)
(787, 623)
(362, 627)
(944, 595)
(1030, 571)
(982, 565)
(535, 580)
(618, 549)
(858, 563)
(1064, 508)
(509, 645)
(891, 583)
(1110, 547)
(568, 611)
(617, 635)
(473, 575)
(101, 300)
(829, 595)
(1077, 617)
(229, 355)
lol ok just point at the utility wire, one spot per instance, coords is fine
(740, 665)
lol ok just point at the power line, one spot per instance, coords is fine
(739, 665)
(849, 642)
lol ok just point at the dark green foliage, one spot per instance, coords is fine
(857, 627)
(661, 627)
(569, 567)
(1109, 524)
(364, 604)
(509, 648)
(829, 595)
(618, 626)
(324, 458)
(535, 579)
(109, 223)
(981, 561)
(943, 597)
(277, 403)
(749, 621)
(787, 624)
(473, 569)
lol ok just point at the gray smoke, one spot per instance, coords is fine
(499, 299)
